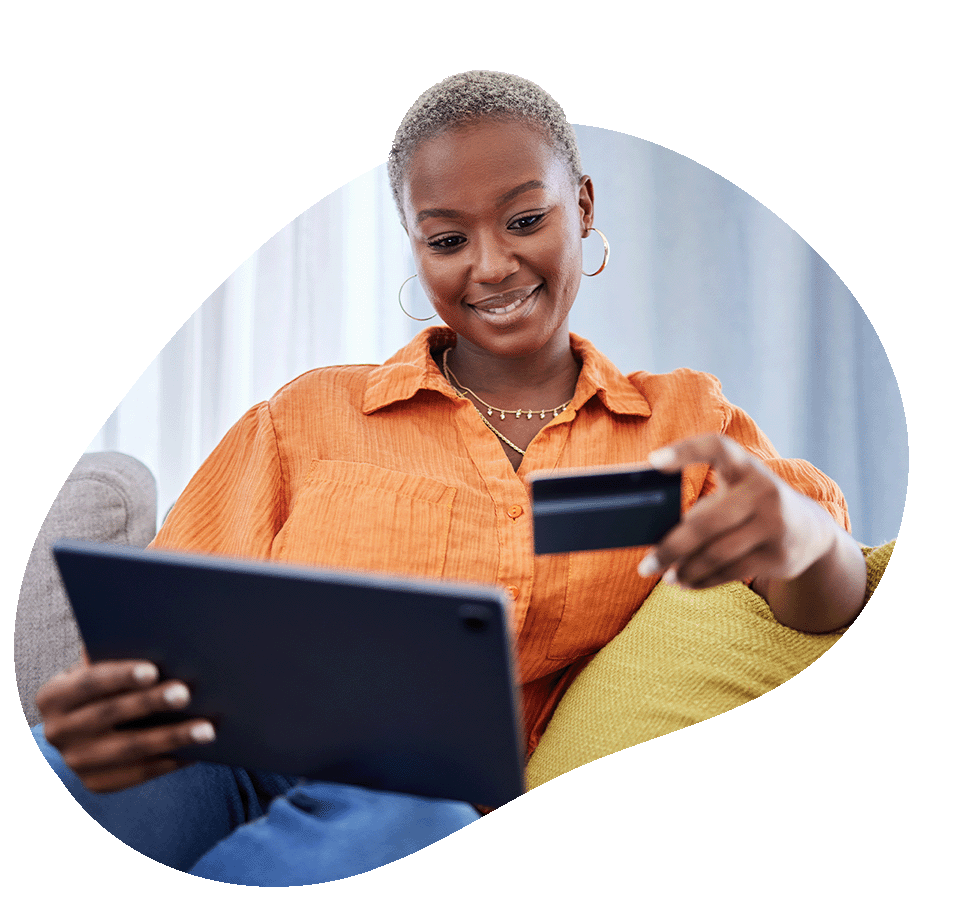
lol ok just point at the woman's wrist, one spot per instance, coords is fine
(828, 595)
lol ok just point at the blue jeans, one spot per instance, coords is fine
(258, 828)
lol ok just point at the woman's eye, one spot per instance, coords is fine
(446, 243)
(524, 222)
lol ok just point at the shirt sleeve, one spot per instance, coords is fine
(801, 475)
(236, 502)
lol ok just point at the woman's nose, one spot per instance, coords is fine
(493, 262)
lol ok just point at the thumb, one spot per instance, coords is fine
(727, 457)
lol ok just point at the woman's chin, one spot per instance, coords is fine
(518, 343)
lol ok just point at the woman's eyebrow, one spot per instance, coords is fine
(515, 192)
(502, 200)
(436, 213)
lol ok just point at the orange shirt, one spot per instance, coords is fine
(385, 468)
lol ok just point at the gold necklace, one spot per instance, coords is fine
(448, 374)
(461, 390)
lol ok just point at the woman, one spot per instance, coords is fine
(417, 466)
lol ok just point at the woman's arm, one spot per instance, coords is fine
(826, 596)
(756, 527)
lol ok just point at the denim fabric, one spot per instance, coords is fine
(253, 828)
(321, 831)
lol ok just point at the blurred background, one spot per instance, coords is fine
(700, 275)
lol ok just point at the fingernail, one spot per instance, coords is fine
(662, 458)
(145, 673)
(670, 577)
(176, 695)
(203, 733)
(649, 565)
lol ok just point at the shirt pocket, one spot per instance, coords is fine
(603, 591)
(359, 516)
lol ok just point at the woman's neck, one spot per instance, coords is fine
(544, 379)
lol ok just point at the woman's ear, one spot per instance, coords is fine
(586, 204)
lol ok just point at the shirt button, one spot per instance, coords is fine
(512, 591)
(514, 512)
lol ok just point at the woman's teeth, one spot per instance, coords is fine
(499, 310)
(503, 306)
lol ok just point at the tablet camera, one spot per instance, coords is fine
(474, 617)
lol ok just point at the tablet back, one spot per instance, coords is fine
(391, 683)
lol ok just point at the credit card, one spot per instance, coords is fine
(603, 509)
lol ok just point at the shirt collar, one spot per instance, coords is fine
(408, 371)
(599, 377)
(413, 369)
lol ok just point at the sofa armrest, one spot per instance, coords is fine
(108, 497)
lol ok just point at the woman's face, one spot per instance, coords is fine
(496, 222)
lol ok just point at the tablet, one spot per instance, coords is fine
(388, 682)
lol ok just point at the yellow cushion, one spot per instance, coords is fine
(685, 656)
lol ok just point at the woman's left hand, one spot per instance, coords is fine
(756, 526)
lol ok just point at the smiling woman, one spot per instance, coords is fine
(420, 465)
(495, 220)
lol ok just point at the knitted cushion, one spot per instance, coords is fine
(685, 656)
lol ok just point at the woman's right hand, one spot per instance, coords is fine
(82, 707)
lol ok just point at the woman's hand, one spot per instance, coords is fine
(82, 707)
(756, 526)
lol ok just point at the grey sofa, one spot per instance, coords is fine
(108, 497)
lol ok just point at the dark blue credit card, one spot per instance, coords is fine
(601, 510)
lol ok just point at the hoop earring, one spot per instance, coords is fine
(605, 257)
(401, 305)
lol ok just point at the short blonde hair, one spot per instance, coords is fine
(473, 95)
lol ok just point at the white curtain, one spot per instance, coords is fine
(701, 275)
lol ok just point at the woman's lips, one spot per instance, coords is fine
(506, 308)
